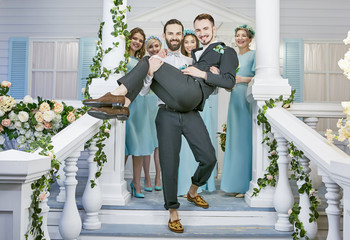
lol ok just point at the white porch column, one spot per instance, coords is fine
(18, 170)
(266, 84)
(114, 187)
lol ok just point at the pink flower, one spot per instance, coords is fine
(6, 122)
(5, 84)
(39, 117)
(42, 196)
(106, 130)
(58, 107)
(273, 152)
(50, 154)
(290, 211)
(71, 117)
(44, 107)
(47, 125)
(269, 177)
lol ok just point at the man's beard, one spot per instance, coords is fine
(173, 47)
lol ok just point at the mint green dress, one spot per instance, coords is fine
(140, 139)
(237, 167)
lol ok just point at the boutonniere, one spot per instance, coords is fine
(237, 69)
(183, 67)
(219, 49)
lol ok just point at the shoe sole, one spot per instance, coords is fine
(106, 116)
(104, 104)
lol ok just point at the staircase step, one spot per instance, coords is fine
(142, 231)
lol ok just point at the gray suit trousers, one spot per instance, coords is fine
(170, 126)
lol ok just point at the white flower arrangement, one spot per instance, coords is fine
(27, 121)
(343, 124)
(344, 64)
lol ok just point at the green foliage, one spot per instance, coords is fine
(270, 177)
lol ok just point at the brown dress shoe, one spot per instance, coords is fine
(110, 113)
(107, 100)
(175, 226)
(198, 200)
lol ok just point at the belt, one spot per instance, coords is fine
(164, 106)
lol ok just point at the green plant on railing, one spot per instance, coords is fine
(119, 30)
(270, 177)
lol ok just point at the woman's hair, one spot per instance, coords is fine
(142, 51)
(248, 29)
(188, 33)
(152, 39)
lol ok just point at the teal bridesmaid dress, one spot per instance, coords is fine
(139, 135)
(188, 164)
(237, 167)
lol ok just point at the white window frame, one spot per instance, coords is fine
(54, 70)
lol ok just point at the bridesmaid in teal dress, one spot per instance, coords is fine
(237, 168)
(188, 164)
(138, 140)
(153, 46)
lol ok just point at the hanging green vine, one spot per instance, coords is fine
(119, 30)
(270, 177)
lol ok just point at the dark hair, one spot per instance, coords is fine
(173, 21)
(204, 16)
(139, 53)
(183, 51)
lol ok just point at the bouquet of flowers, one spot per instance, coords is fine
(28, 121)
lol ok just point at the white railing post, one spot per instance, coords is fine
(92, 197)
(61, 197)
(304, 203)
(44, 212)
(316, 179)
(283, 199)
(70, 222)
(333, 210)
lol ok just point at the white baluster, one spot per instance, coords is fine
(61, 197)
(283, 199)
(70, 222)
(316, 179)
(333, 211)
(44, 212)
(304, 203)
(92, 197)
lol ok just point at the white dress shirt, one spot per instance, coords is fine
(175, 59)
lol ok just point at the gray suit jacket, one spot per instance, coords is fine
(226, 61)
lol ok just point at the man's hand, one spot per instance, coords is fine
(154, 65)
(195, 72)
(214, 70)
(162, 53)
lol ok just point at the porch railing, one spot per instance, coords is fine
(332, 164)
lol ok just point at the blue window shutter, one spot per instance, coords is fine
(18, 66)
(87, 50)
(293, 66)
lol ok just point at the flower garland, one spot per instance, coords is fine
(298, 173)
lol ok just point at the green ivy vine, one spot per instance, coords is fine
(96, 71)
(270, 177)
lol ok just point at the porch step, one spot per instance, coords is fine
(142, 231)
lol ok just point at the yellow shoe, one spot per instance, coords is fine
(198, 200)
(176, 226)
